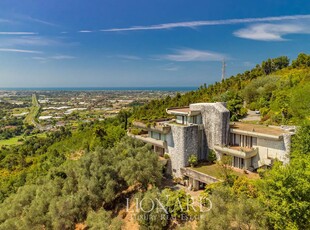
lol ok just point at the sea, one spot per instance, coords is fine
(174, 89)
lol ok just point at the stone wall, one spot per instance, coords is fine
(182, 141)
(215, 118)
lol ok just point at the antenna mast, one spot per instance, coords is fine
(223, 69)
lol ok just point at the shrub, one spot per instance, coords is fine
(193, 160)
(166, 156)
(212, 156)
(135, 131)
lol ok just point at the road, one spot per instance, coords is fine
(34, 112)
(251, 116)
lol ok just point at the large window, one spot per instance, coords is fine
(242, 140)
(238, 162)
(156, 135)
(195, 119)
(181, 120)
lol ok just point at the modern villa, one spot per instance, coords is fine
(203, 127)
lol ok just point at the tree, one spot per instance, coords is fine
(123, 116)
(303, 60)
(300, 102)
(226, 171)
(301, 141)
(268, 66)
(143, 168)
(178, 203)
(99, 220)
(285, 189)
(230, 211)
(281, 62)
(151, 215)
(285, 193)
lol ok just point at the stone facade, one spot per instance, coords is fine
(204, 126)
(215, 118)
(185, 140)
(182, 142)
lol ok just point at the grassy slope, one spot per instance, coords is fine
(11, 141)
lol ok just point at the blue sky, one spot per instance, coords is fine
(119, 43)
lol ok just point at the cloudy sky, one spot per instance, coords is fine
(119, 43)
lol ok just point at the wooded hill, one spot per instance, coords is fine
(278, 88)
(79, 177)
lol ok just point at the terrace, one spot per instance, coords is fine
(214, 172)
(183, 111)
(161, 125)
(145, 138)
(270, 132)
(199, 176)
(237, 151)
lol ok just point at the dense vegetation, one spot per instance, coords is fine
(83, 176)
(279, 90)
(11, 126)
(22, 163)
(279, 200)
(67, 193)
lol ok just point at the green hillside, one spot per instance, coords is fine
(74, 178)
(278, 89)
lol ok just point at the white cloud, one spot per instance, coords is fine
(172, 68)
(85, 31)
(193, 24)
(19, 51)
(42, 21)
(36, 20)
(2, 20)
(39, 58)
(56, 57)
(62, 57)
(190, 55)
(270, 32)
(128, 57)
(17, 33)
(30, 41)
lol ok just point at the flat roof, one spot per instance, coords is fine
(277, 131)
(182, 111)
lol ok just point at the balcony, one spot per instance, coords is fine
(161, 126)
(146, 139)
(237, 151)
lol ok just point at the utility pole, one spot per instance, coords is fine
(223, 69)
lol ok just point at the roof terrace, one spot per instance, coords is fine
(160, 125)
(272, 132)
(182, 111)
